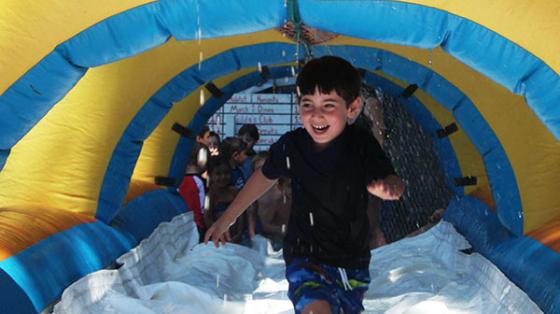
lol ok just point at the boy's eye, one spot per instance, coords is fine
(305, 105)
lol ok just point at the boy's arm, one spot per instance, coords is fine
(390, 188)
(253, 189)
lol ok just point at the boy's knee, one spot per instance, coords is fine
(317, 307)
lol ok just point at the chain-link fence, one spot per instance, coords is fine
(412, 154)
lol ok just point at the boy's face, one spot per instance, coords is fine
(248, 140)
(204, 139)
(220, 176)
(324, 116)
(213, 145)
(239, 157)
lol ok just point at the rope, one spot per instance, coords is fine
(294, 17)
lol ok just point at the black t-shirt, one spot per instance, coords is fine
(328, 222)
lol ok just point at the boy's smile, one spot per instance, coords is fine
(324, 116)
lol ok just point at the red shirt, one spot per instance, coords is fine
(190, 193)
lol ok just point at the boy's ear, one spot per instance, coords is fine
(354, 108)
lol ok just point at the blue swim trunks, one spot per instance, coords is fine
(344, 289)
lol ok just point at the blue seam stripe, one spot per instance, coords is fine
(482, 49)
(104, 42)
(500, 173)
(110, 40)
(443, 148)
(27, 100)
(13, 298)
(481, 135)
(125, 155)
(39, 271)
(528, 263)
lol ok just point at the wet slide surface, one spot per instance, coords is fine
(170, 273)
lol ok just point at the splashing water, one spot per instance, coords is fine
(202, 97)
(206, 202)
(200, 58)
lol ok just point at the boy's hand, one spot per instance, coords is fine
(218, 232)
(390, 188)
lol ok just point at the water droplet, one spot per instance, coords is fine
(283, 228)
(259, 67)
(199, 35)
(202, 97)
(218, 280)
(202, 157)
(288, 162)
(200, 58)
(311, 219)
(283, 53)
(293, 71)
(298, 91)
(207, 200)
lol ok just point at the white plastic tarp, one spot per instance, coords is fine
(170, 273)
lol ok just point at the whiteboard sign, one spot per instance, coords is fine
(273, 114)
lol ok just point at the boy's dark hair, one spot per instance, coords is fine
(231, 145)
(249, 129)
(199, 165)
(215, 161)
(205, 129)
(330, 73)
(214, 134)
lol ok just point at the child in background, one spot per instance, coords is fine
(203, 135)
(232, 150)
(192, 188)
(248, 133)
(221, 194)
(332, 166)
(214, 143)
(273, 207)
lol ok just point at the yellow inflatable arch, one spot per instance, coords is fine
(90, 92)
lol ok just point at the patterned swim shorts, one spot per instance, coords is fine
(344, 289)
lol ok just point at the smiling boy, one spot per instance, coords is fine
(333, 166)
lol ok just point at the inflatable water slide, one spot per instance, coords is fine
(99, 101)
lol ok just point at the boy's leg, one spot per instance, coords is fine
(317, 307)
(351, 298)
(310, 288)
(317, 288)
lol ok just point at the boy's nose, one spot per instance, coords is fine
(316, 112)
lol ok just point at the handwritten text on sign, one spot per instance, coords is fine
(273, 114)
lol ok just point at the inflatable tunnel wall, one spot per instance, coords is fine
(90, 92)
